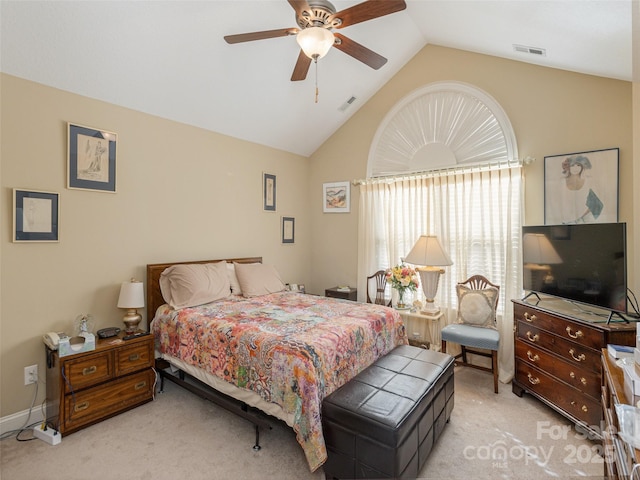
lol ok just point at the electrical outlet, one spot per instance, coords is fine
(31, 374)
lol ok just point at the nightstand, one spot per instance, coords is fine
(86, 388)
(422, 329)
(351, 294)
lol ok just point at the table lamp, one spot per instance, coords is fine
(131, 297)
(429, 254)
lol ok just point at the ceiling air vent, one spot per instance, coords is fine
(532, 50)
(347, 104)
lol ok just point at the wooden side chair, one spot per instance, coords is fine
(476, 324)
(380, 280)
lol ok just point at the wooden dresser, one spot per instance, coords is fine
(86, 388)
(558, 356)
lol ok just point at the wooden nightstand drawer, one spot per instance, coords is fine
(86, 371)
(351, 294)
(135, 357)
(97, 403)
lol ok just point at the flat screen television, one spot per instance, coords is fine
(584, 263)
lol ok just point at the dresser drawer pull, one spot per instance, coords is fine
(530, 318)
(89, 370)
(81, 406)
(140, 385)
(533, 380)
(533, 338)
(134, 357)
(583, 408)
(582, 379)
(579, 358)
(578, 334)
(533, 358)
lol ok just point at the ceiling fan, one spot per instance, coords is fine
(316, 20)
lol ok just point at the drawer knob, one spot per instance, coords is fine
(533, 380)
(134, 357)
(583, 380)
(533, 338)
(529, 318)
(578, 334)
(81, 406)
(579, 358)
(533, 358)
(140, 385)
(89, 370)
(583, 408)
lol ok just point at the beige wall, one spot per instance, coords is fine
(182, 193)
(551, 111)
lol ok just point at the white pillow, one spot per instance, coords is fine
(233, 279)
(188, 285)
(477, 307)
(258, 279)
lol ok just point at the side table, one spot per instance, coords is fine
(423, 329)
(336, 292)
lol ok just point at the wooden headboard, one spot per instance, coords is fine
(154, 295)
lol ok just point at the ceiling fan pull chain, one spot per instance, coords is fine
(316, 62)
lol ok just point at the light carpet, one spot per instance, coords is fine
(180, 435)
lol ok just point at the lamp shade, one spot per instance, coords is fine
(428, 251)
(537, 249)
(131, 295)
(315, 42)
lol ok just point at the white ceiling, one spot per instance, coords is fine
(169, 58)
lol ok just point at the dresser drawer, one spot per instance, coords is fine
(585, 335)
(578, 377)
(574, 353)
(99, 402)
(135, 357)
(572, 401)
(87, 371)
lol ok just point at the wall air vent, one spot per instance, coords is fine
(347, 104)
(532, 50)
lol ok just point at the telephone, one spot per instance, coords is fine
(52, 339)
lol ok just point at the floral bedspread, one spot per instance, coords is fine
(292, 349)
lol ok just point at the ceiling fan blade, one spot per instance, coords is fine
(359, 52)
(300, 6)
(301, 68)
(249, 37)
(366, 11)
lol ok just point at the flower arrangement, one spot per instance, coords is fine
(402, 278)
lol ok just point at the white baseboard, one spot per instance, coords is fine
(18, 420)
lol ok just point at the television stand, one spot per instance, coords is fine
(530, 294)
(612, 313)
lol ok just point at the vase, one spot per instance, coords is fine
(401, 299)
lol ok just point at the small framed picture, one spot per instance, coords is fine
(336, 197)
(269, 192)
(92, 159)
(288, 229)
(581, 187)
(35, 216)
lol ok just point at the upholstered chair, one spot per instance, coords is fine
(475, 327)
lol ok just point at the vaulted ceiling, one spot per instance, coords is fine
(169, 58)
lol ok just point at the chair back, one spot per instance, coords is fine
(478, 282)
(380, 280)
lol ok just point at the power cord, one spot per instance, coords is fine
(26, 425)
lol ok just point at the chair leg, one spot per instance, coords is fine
(494, 367)
(464, 353)
(444, 346)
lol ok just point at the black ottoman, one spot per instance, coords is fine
(384, 422)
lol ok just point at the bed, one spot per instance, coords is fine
(276, 351)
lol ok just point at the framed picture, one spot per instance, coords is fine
(581, 187)
(336, 197)
(288, 230)
(35, 216)
(92, 159)
(269, 192)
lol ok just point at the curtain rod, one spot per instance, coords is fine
(478, 167)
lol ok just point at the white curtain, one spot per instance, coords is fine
(476, 212)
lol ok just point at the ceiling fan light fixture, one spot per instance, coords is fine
(315, 42)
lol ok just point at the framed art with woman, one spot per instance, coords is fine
(581, 187)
